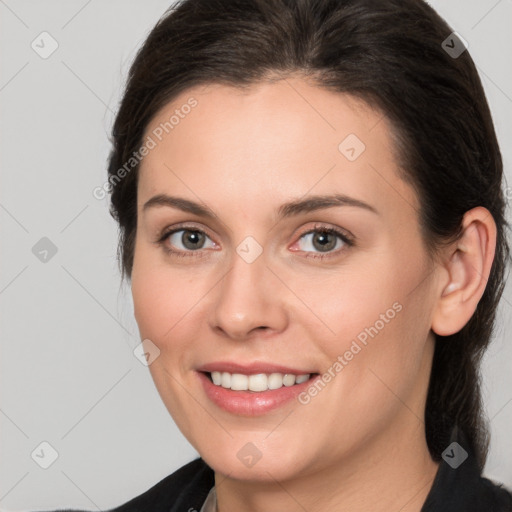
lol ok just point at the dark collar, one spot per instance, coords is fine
(459, 486)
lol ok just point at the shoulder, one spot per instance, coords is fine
(465, 490)
(184, 490)
(459, 485)
(498, 498)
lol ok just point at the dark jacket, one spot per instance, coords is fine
(458, 487)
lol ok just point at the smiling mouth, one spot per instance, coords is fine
(258, 382)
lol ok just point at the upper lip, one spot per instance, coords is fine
(249, 369)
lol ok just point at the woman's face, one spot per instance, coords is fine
(259, 283)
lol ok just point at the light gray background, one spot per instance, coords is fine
(68, 374)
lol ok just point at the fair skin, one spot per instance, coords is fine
(360, 443)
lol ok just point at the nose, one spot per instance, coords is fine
(248, 300)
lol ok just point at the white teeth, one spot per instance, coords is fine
(301, 378)
(257, 382)
(275, 381)
(226, 380)
(239, 382)
(289, 379)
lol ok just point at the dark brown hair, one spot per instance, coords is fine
(388, 53)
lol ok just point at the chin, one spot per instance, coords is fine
(243, 459)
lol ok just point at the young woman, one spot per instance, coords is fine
(312, 222)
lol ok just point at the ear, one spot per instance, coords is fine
(468, 265)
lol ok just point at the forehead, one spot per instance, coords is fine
(272, 140)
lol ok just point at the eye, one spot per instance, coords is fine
(181, 241)
(323, 240)
(189, 241)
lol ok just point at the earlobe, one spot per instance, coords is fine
(468, 266)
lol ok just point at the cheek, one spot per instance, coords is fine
(374, 321)
(164, 303)
(160, 302)
(168, 303)
(351, 302)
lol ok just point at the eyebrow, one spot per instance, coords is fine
(290, 209)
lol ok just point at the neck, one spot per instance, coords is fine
(394, 471)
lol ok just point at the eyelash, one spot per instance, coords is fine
(349, 241)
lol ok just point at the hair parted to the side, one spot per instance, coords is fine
(387, 53)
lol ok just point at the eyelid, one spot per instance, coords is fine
(167, 231)
(326, 227)
(184, 226)
(346, 237)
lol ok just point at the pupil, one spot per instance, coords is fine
(324, 243)
(191, 239)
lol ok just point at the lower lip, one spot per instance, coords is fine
(251, 403)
